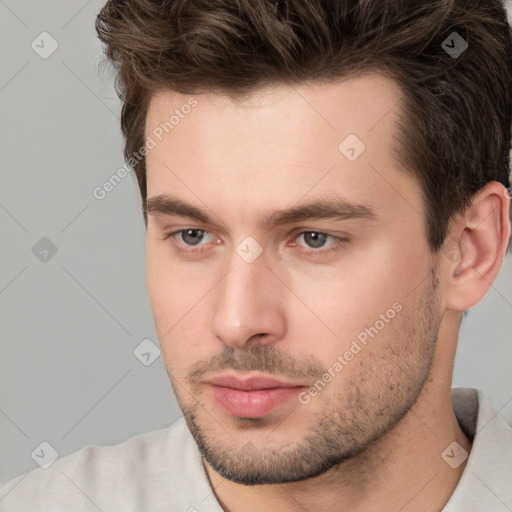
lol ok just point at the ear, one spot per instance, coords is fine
(476, 246)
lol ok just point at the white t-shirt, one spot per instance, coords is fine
(162, 471)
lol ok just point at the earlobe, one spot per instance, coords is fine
(476, 247)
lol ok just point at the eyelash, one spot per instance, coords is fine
(337, 245)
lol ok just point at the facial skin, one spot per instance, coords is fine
(373, 435)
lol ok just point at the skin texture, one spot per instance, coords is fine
(372, 438)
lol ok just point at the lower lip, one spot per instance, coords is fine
(255, 403)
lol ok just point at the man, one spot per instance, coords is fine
(324, 186)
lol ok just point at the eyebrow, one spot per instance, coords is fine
(332, 207)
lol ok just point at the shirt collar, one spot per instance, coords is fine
(486, 483)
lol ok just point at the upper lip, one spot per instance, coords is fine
(250, 383)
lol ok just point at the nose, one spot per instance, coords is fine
(249, 307)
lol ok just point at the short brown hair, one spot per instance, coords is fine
(455, 121)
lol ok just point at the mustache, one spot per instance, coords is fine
(262, 358)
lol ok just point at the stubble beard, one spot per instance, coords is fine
(358, 411)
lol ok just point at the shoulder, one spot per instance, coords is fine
(99, 475)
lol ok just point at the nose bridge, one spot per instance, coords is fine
(247, 302)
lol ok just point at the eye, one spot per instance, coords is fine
(315, 239)
(189, 241)
(191, 236)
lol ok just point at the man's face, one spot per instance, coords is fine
(342, 312)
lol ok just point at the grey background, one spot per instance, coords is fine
(70, 324)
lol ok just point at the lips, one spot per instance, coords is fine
(250, 383)
(255, 396)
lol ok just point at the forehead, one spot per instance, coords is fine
(279, 144)
(307, 121)
(350, 103)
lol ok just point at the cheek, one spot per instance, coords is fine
(168, 292)
(361, 302)
(158, 284)
(179, 299)
(348, 297)
(172, 290)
